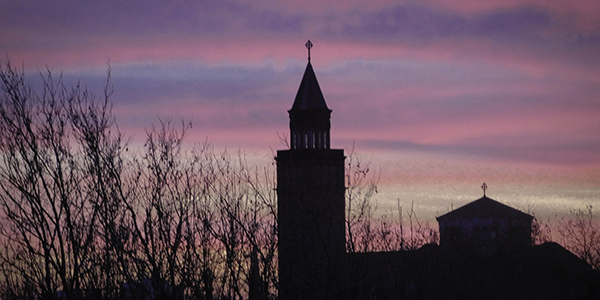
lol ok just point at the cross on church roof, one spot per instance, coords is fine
(308, 46)
(484, 187)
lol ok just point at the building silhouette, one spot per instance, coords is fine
(486, 227)
(485, 249)
(311, 199)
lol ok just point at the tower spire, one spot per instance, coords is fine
(308, 46)
(309, 116)
(310, 201)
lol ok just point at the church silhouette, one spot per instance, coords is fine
(485, 249)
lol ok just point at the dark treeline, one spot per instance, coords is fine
(83, 216)
(368, 232)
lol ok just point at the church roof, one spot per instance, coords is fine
(485, 207)
(309, 95)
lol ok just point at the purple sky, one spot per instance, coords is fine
(440, 95)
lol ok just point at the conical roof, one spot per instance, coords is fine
(309, 95)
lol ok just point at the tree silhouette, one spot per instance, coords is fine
(83, 217)
(50, 142)
(580, 233)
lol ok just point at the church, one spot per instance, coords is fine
(485, 249)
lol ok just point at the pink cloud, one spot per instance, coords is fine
(509, 61)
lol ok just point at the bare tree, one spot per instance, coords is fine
(80, 212)
(243, 200)
(259, 223)
(541, 232)
(361, 186)
(366, 232)
(102, 149)
(202, 221)
(158, 211)
(580, 233)
(48, 209)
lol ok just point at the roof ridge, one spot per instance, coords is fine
(484, 206)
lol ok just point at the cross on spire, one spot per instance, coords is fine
(308, 46)
(484, 187)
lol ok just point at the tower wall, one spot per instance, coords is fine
(311, 199)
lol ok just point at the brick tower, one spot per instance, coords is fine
(310, 191)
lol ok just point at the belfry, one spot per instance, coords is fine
(311, 198)
(485, 250)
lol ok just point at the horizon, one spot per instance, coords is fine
(440, 97)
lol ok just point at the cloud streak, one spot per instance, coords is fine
(502, 82)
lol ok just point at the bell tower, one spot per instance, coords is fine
(309, 116)
(311, 199)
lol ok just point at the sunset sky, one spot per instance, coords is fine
(439, 95)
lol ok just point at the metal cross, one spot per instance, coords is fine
(484, 187)
(308, 46)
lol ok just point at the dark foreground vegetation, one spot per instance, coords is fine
(83, 215)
